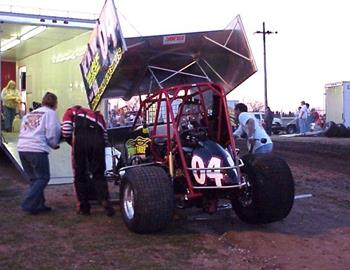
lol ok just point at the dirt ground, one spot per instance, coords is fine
(316, 234)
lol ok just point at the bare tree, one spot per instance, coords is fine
(255, 106)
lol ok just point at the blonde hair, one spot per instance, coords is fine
(11, 85)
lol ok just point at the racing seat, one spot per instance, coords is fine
(160, 143)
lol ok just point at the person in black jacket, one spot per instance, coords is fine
(85, 130)
(268, 119)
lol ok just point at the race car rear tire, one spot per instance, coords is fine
(146, 199)
(269, 195)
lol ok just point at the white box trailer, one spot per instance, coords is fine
(338, 102)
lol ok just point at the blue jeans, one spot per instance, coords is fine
(36, 166)
(302, 125)
(9, 114)
(264, 149)
(308, 123)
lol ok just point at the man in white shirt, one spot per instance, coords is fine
(258, 140)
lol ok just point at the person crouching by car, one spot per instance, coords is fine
(40, 130)
(257, 139)
(85, 131)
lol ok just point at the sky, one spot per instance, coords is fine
(309, 50)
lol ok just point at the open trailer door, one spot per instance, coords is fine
(60, 164)
(115, 67)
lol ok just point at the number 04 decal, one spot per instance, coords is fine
(200, 175)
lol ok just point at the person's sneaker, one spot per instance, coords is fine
(33, 212)
(85, 211)
(44, 209)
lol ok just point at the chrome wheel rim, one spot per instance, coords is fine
(246, 198)
(129, 202)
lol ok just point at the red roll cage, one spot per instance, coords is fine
(215, 119)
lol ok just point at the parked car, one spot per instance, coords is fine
(279, 125)
(260, 116)
(291, 126)
(286, 125)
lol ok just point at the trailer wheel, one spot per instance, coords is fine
(146, 199)
(269, 194)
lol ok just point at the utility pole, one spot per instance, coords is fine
(264, 33)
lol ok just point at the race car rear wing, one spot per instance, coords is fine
(115, 67)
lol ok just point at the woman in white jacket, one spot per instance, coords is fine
(40, 131)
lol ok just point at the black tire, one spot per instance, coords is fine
(331, 129)
(152, 201)
(291, 129)
(276, 129)
(347, 133)
(270, 196)
(341, 130)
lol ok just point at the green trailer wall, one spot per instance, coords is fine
(57, 69)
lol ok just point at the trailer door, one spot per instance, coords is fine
(334, 103)
(346, 110)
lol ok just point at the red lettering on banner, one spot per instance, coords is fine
(174, 39)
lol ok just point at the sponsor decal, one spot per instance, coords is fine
(94, 69)
(106, 79)
(174, 39)
(137, 146)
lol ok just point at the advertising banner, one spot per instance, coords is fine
(103, 54)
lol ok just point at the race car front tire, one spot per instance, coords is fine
(146, 199)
